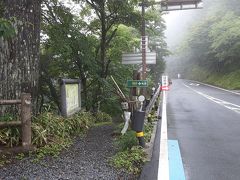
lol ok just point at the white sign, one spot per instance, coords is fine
(141, 98)
(70, 96)
(146, 43)
(165, 83)
(72, 99)
(136, 58)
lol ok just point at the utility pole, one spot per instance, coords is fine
(144, 75)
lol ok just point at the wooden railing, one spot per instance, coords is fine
(25, 117)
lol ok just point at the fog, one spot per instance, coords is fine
(177, 25)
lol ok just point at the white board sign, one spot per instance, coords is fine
(136, 58)
(165, 83)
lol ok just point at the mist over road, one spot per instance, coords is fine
(206, 122)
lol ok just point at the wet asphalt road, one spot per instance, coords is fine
(206, 122)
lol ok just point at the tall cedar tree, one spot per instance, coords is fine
(19, 56)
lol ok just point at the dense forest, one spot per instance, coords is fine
(210, 50)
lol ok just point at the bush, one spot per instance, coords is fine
(127, 141)
(48, 127)
(10, 136)
(131, 160)
(103, 117)
(148, 128)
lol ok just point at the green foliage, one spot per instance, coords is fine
(52, 149)
(3, 160)
(148, 128)
(49, 128)
(225, 37)
(98, 124)
(10, 136)
(6, 28)
(212, 46)
(130, 159)
(20, 156)
(229, 81)
(127, 141)
(103, 117)
(90, 47)
(7, 117)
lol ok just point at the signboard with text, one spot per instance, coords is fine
(137, 83)
(165, 83)
(136, 58)
(70, 96)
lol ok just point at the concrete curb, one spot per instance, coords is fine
(150, 144)
(149, 149)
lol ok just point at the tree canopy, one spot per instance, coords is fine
(89, 45)
(212, 45)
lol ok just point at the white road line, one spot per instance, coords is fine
(194, 84)
(228, 105)
(163, 166)
(218, 88)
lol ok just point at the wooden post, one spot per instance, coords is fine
(26, 120)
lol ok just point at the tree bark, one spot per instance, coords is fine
(19, 56)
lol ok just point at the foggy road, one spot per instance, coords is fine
(206, 123)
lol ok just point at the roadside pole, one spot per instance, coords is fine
(144, 75)
(140, 134)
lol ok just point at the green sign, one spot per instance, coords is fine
(137, 83)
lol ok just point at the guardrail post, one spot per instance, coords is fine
(26, 119)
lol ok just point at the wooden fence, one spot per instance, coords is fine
(25, 117)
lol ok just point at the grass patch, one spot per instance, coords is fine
(228, 81)
(127, 141)
(50, 133)
(53, 149)
(148, 128)
(103, 117)
(98, 124)
(130, 157)
(131, 160)
(3, 160)
(49, 128)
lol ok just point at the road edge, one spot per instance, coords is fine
(216, 87)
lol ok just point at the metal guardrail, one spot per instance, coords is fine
(153, 100)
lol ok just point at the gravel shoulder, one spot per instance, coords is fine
(86, 159)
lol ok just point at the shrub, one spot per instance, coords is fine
(103, 117)
(148, 128)
(48, 127)
(130, 159)
(127, 141)
(10, 136)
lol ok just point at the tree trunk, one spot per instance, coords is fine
(19, 56)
